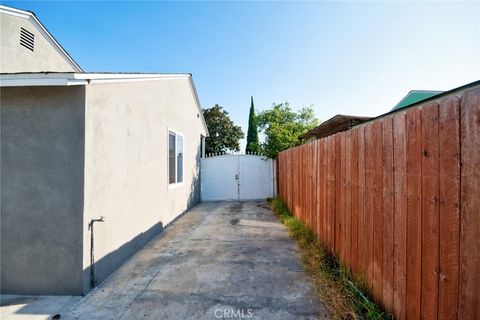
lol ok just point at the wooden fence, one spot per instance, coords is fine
(398, 202)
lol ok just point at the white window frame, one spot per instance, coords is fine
(175, 184)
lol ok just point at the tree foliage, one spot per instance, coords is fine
(283, 126)
(224, 134)
(252, 133)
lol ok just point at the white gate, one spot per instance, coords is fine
(237, 177)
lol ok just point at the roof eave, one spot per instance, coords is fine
(340, 121)
(199, 106)
(48, 78)
(71, 78)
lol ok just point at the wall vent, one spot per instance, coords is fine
(27, 39)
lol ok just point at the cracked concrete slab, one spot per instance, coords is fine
(17, 307)
(219, 260)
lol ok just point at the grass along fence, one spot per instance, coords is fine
(343, 297)
(397, 200)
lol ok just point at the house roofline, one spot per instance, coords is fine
(418, 91)
(43, 30)
(199, 106)
(68, 78)
(35, 79)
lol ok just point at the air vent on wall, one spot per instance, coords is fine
(27, 39)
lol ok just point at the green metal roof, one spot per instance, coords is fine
(415, 96)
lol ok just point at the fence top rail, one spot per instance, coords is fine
(221, 154)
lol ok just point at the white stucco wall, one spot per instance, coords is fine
(16, 58)
(126, 179)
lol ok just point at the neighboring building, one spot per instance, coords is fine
(27, 46)
(78, 146)
(342, 122)
(333, 125)
(415, 96)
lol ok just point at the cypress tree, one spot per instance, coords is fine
(252, 134)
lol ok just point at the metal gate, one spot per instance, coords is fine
(237, 177)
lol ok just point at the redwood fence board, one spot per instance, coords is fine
(324, 183)
(314, 184)
(397, 200)
(449, 233)
(331, 193)
(377, 211)
(400, 216)
(414, 213)
(343, 195)
(362, 221)
(388, 214)
(320, 191)
(430, 210)
(469, 295)
(369, 196)
(337, 193)
(348, 198)
(354, 205)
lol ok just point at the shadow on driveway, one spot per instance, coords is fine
(221, 260)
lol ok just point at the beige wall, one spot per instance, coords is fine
(16, 58)
(126, 163)
(70, 154)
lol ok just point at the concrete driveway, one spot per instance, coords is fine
(230, 260)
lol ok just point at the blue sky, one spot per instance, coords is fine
(356, 58)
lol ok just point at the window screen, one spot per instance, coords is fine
(171, 157)
(179, 158)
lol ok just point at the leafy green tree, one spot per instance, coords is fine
(252, 133)
(224, 134)
(283, 126)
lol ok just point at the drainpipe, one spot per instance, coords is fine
(93, 283)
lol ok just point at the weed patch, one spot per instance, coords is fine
(343, 295)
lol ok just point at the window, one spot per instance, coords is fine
(175, 157)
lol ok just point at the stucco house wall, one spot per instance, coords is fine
(76, 146)
(126, 167)
(47, 54)
(42, 184)
(72, 153)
